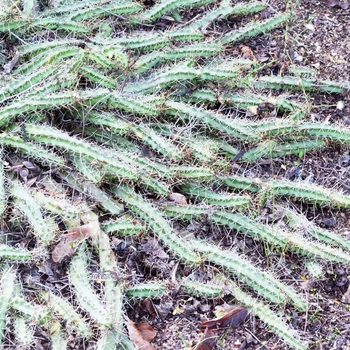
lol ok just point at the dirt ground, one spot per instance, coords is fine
(319, 38)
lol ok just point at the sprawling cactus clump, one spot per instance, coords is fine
(101, 99)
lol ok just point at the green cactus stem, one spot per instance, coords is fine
(8, 276)
(145, 290)
(158, 224)
(211, 197)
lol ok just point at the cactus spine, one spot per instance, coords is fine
(211, 197)
(30, 207)
(87, 299)
(66, 311)
(264, 283)
(158, 224)
(145, 290)
(268, 316)
(7, 286)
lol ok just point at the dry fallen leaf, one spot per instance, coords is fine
(148, 333)
(149, 307)
(247, 52)
(137, 337)
(208, 340)
(70, 242)
(233, 318)
(10, 65)
(252, 111)
(178, 198)
(153, 247)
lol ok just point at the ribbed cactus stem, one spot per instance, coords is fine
(268, 316)
(8, 276)
(300, 222)
(65, 309)
(92, 153)
(30, 207)
(264, 283)
(307, 192)
(158, 224)
(113, 292)
(211, 197)
(86, 297)
(203, 290)
(145, 290)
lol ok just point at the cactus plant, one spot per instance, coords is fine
(86, 104)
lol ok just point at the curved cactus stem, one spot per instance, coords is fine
(93, 174)
(307, 192)
(211, 197)
(87, 299)
(7, 284)
(297, 221)
(118, 8)
(279, 128)
(156, 141)
(255, 28)
(61, 207)
(97, 77)
(53, 56)
(33, 312)
(185, 34)
(337, 134)
(146, 62)
(66, 311)
(101, 197)
(297, 148)
(263, 149)
(57, 100)
(242, 183)
(269, 317)
(59, 340)
(185, 72)
(163, 80)
(203, 290)
(113, 292)
(14, 254)
(263, 283)
(297, 83)
(31, 149)
(214, 120)
(278, 237)
(24, 333)
(33, 49)
(135, 104)
(137, 41)
(30, 207)
(165, 6)
(274, 236)
(26, 82)
(186, 212)
(92, 153)
(3, 192)
(226, 10)
(145, 290)
(158, 224)
(191, 173)
(123, 226)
